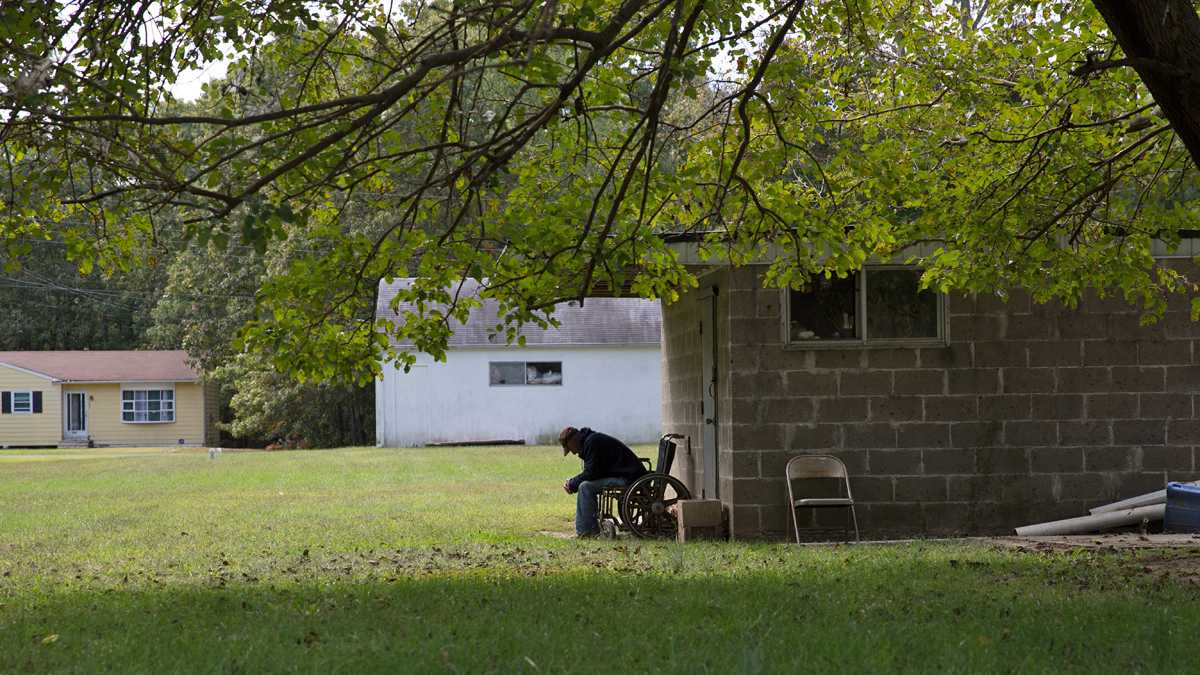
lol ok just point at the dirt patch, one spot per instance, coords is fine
(1162, 557)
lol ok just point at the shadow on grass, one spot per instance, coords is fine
(873, 615)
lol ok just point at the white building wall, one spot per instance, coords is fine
(616, 390)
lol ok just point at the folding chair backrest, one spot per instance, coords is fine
(815, 466)
(666, 454)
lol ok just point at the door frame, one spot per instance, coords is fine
(76, 434)
(710, 421)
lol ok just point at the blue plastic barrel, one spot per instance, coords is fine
(1183, 508)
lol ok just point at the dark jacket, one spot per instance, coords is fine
(605, 457)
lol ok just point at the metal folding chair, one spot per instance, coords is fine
(818, 466)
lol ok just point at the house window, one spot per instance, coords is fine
(147, 405)
(22, 402)
(878, 304)
(525, 372)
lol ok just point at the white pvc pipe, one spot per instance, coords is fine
(1099, 521)
(1158, 497)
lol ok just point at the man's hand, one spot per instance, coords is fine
(567, 486)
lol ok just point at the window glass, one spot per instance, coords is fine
(22, 402)
(898, 308)
(825, 310)
(543, 372)
(506, 372)
(148, 405)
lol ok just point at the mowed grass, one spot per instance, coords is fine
(434, 560)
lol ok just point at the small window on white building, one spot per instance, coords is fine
(525, 372)
(147, 405)
(878, 304)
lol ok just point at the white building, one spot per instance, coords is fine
(600, 369)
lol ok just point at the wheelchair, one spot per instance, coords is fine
(642, 508)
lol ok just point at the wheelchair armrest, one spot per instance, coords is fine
(646, 461)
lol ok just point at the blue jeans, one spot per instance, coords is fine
(587, 520)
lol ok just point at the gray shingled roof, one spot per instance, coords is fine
(600, 321)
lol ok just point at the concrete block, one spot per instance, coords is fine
(872, 488)
(945, 461)
(896, 408)
(1005, 407)
(787, 410)
(1129, 327)
(1001, 461)
(1030, 433)
(840, 359)
(1027, 380)
(804, 383)
(950, 356)
(1084, 433)
(1109, 458)
(1183, 379)
(812, 436)
(1138, 378)
(1056, 460)
(1169, 406)
(1083, 380)
(1082, 326)
(1057, 353)
(872, 435)
(759, 436)
(1000, 353)
(922, 435)
(951, 408)
(892, 358)
(975, 434)
(1088, 487)
(1109, 353)
(974, 381)
(842, 409)
(1028, 327)
(919, 382)
(1057, 406)
(1167, 458)
(1165, 352)
(1183, 432)
(868, 383)
(894, 462)
(699, 519)
(1139, 432)
(1111, 406)
(920, 489)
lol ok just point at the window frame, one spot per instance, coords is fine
(860, 303)
(148, 387)
(13, 402)
(525, 371)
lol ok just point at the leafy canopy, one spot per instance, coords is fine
(558, 148)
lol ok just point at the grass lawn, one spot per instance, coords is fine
(361, 560)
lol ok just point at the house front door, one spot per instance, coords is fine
(76, 417)
(708, 380)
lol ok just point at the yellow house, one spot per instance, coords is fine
(99, 398)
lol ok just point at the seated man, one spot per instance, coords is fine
(607, 462)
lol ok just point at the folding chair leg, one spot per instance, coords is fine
(854, 517)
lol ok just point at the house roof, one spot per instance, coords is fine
(105, 366)
(599, 321)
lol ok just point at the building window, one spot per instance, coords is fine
(525, 372)
(147, 405)
(22, 402)
(878, 304)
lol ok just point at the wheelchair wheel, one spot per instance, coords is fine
(644, 506)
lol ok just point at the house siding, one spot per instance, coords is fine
(1028, 413)
(612, 389)
(106, 428)
(43, 428)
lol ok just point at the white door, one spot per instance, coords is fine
(708, 380)
(76, 418)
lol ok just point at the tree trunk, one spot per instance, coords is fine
(1161, 39)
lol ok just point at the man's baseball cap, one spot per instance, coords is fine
(564, 436)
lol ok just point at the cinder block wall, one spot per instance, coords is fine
(1031, 412)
